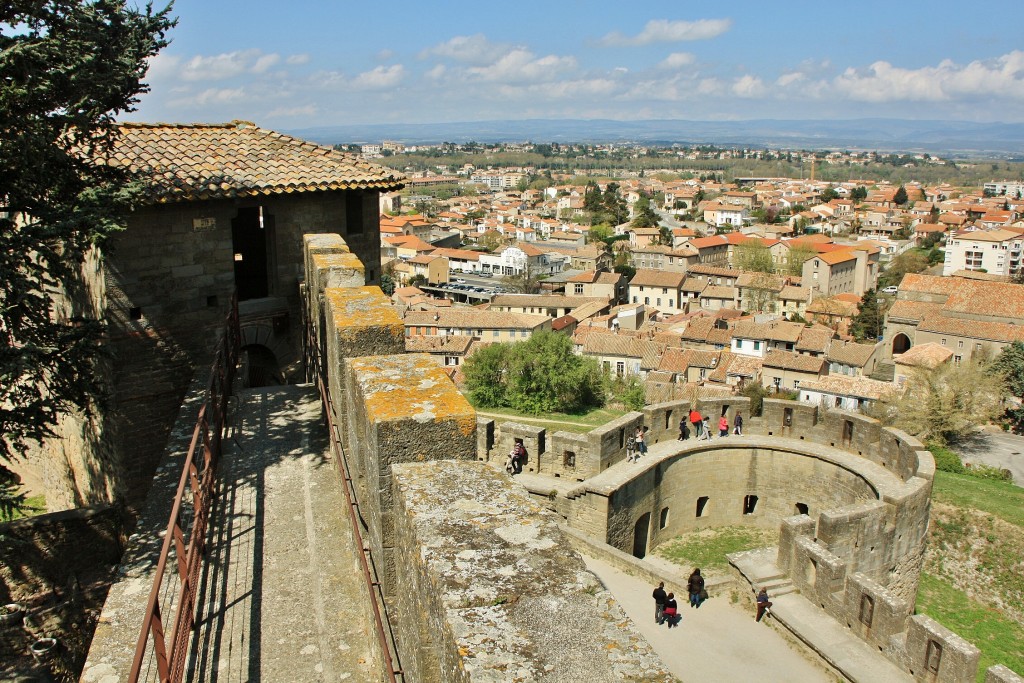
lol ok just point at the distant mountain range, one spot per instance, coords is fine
(962, 138)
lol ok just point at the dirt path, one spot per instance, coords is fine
(718, 642)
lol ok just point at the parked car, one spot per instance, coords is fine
(891, 289)
(487, 274)
(460, 281)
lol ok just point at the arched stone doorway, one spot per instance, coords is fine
(640, 535)
(259, 367)
(900, 343)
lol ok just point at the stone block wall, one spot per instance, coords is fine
(491, 590)
(934, 653)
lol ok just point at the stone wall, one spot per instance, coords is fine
(493, 591)
(480, 583)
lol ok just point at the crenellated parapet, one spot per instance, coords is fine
(476, 576)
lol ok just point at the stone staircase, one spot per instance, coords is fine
(884, 372)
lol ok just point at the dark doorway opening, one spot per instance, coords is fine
(251, 232)
(640, 535)
(900, 343)
(259, 367)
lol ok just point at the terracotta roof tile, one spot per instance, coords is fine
(842, 385)
(850, 353)
(787, 360)
(656, 278)
(972, 329)
(189, 162)
(928, 355)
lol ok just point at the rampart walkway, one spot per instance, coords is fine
(280, 594)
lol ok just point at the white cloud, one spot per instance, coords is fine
(749, 86)
(264, 63)
(790, 78)
(475, 49)
(296, 60)
(665, 31)
(218, 96)
(677, 60)
(436, 72)
(226, 65)
(1002, 77)
(521, 65)
(379, 78)
(294, 112)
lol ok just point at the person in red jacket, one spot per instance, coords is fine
(723, 426)
(695, 420)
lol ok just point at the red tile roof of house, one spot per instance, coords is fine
(191, 162)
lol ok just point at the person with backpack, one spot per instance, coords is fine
(630, 447)
(684, 431)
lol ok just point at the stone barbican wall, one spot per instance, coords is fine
(480, 583)
(851, 499)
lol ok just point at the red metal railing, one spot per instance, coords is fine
(186, 530)
(315, 372)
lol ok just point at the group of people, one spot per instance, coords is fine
(635, 445)
(702, 426)
(666, 609)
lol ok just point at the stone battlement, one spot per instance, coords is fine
(480, 583)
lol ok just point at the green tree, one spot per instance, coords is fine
(900, 198)
(67, 70)
(828, 194)
(911, 261)
(599, 232)
(753, 255)
(525, 281)
(541, 374)
(1009, 365)
(859, 193)
(387, 284)
(798, 255)
(867, 324)
(944, 404)
(644, 215)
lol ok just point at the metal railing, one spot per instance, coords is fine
(197, 478)
(315, 372)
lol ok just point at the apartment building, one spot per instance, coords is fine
(992, 251)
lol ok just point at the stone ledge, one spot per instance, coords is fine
(500, 590)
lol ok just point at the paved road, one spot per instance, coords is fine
(999, 449)
(718, 642)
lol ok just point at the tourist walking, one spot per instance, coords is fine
(705, 429)
(659, 603)
(630, 448)
(684, 431)
(695, 420)
(695, 586)
(671, 611)
(763, 604)
(641, 447)
(737, 425)
(723, 426)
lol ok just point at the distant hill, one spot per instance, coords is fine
(958, 137)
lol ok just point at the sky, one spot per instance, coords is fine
(301, 64)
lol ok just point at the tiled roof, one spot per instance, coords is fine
(933, 284)
(692, 284)
(815, 339)
(912, 310)
(656, 278)
(719, 292)
(787, 360)
(775, 331)
(706, 269)
(843, 385)
(791, 293)
(927, 355)
(675, 360)
(698, 329)
(449, 343)
(744, 366)
(998, 299)
(190, 162)
(474, 318)
(543, 301)
(972, 329)
(850, 353)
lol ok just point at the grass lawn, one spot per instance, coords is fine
(34, 505)
(1000, 640)
(553, 422)
(707, 548)
(1000, 498)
